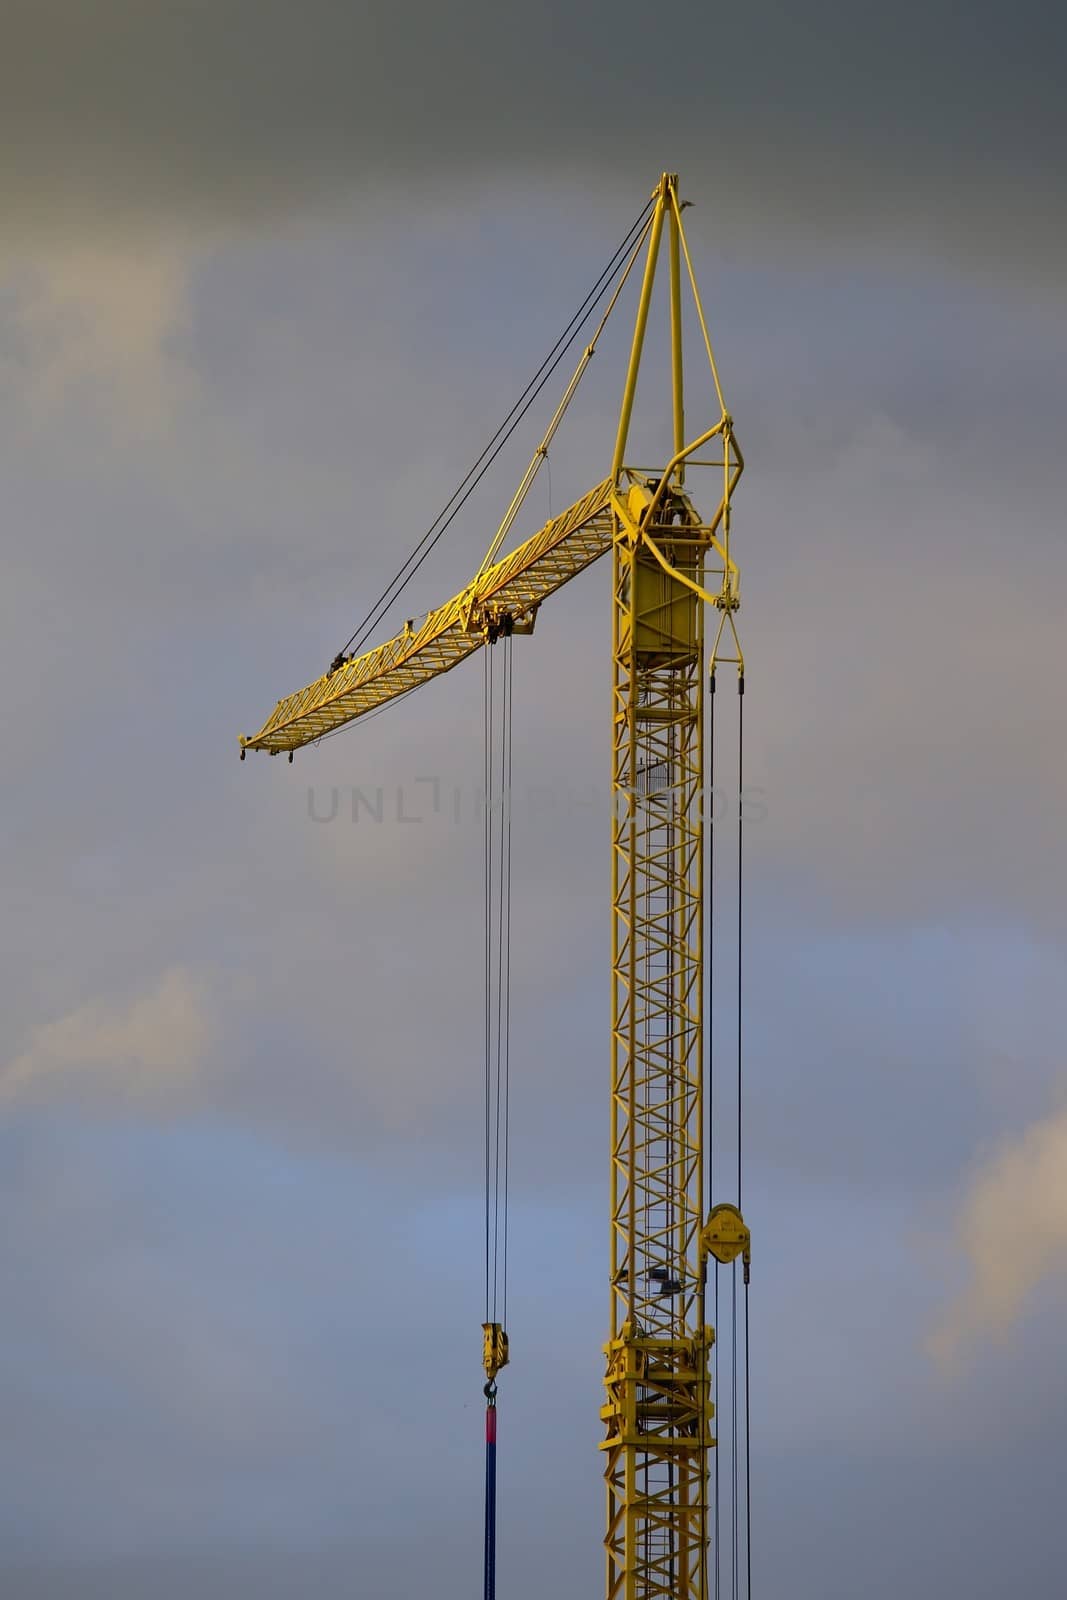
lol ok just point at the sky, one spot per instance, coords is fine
(270, 277)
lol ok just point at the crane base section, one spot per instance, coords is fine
(658, 1417)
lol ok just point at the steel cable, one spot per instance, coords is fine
(487, 780)
(499, 439)
(711, 1072)
(497, 773)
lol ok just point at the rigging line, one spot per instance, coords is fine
(736, 1362)
(711, 942)
(496, 737)
(740, 859)
(368, 716)
(748, 1462)
(487, 701)
(499, 744)
(718, 1559)
(740, 903)
(474, 477)
(510, 663)
(735, 1507)
(499, 1010)
(496, 443)
(710, 801)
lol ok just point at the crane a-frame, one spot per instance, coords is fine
(671, 568)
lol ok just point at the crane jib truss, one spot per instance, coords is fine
(671, 568)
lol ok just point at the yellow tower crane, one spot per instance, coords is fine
(671, 567)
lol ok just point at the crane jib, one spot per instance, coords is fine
(514, 586)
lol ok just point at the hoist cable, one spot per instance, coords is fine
(498, 810)
(740, 1029)
(740, 1561)
(487, 706)
(735, 1565)
(499, 1091)
(489, 775)
(498, 956)
(711, 946)
(748, 1461)
(506, 1004)
(497, 769)
(718, 1558)
(710, 801)
(740, 864)
(461, 494)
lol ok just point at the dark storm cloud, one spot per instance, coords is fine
(939, 123)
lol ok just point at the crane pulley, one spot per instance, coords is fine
(672, 566)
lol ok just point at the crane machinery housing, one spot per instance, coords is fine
(672, 568)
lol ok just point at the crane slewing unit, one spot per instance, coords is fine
(672, 571)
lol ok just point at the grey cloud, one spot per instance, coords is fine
(1012, 1228)
(340, 1316)
(151, 1045)
(159, 594)
(186, 585)
(937, 123)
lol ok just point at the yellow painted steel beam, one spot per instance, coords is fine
(677, 383)
(630, 387)
(512, 588)
(658, 1411)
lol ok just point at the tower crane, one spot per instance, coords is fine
(672, 569)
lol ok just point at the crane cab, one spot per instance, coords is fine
(668, 622)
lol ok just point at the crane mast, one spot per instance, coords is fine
(659, 1410)
(658, 1407)
(658, 1413)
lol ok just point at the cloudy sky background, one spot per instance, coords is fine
(270, 276)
